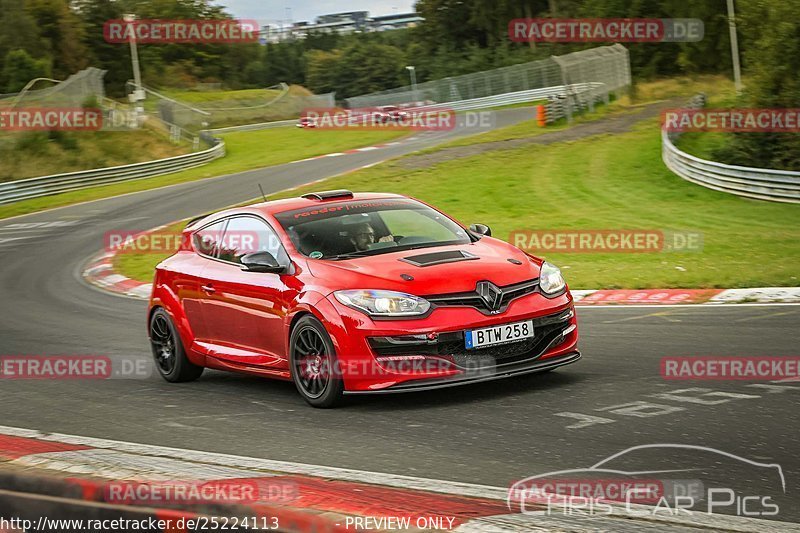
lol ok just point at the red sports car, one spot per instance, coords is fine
(356, 293)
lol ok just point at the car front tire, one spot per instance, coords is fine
(313, 364)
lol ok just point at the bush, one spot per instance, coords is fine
(34, 142)
(66, 140)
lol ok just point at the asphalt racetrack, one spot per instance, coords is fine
(491, 434)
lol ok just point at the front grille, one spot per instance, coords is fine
(547, 333)
(473, 299)
(490, 354)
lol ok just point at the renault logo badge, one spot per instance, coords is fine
(490, 293)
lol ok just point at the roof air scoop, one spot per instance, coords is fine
(328, 195)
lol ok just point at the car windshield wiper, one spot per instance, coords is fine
(348, 255)
(401, 248)
(427, 245)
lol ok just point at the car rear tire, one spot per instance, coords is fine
(168, 353)
(313, 364)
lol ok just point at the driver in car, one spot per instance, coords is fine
(363, 235)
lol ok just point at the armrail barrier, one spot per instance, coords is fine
(26, 189)
(518, 97)
(749, 182)
(575, 81)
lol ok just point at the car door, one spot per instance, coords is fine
(189, 278)
(244, 311)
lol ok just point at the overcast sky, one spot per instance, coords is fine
(276, 10)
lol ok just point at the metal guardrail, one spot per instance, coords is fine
(15, 191)
(254, 127)
(486, 102)
(759, 183)
(18, 190)
(750, 182)
(575, 99)
(518, 97)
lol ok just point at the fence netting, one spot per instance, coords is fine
(607, 67)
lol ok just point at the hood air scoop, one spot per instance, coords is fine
(437, 258)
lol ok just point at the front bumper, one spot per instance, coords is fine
(374, 353)
(518, 369)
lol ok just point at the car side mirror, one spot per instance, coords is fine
(261, 262)
(481, 229)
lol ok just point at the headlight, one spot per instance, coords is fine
(383, 303)
(550, 279)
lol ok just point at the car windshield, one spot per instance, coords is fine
(371, 227)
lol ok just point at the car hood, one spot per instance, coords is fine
(447, 269)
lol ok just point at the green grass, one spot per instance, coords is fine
(31, 154)
(199, 97)
(246, 151)
(233, 107)
(603, 182)
(662, 89)
(609, 182)
(721, 89)
(703, 144)
(140, 266)
(530, 128)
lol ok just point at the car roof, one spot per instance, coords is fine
(288, 204)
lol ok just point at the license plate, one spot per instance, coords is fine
(502, 334)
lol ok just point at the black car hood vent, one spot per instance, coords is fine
(437, 258)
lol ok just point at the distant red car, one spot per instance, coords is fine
(392, 112)
(356, 293)
(306, 122)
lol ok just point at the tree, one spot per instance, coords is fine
(18, 31)
(285, 62)
(113, 58)
(19, 68)
(771, 62)
(322, 70)
(62, 33)
(368, 67)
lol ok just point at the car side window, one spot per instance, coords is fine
(207, 240)
(247, 235)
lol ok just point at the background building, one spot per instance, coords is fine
(341, 23)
